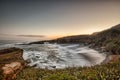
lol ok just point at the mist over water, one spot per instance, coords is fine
(59, 56)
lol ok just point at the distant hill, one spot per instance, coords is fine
(106, 35)
(109, 38)
(68, 39)
(75, 39)
(99, 38)
(117, 27)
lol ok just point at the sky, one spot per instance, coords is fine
(39, 19)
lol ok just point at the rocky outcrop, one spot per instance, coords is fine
(111, 58)
(109, 39)
(114, 58)
(11, 70)
(11, 63)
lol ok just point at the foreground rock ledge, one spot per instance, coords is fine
(11, 63)
(11, 70)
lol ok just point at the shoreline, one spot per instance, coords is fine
(110, 58)
(11, 63)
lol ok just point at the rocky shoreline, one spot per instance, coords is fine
(11, 62)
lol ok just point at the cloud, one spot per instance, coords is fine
(31, 35)
(5, 34)
(22, 35)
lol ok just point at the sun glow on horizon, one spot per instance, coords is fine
(57, 19)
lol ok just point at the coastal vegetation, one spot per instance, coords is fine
(108, 71)
(99, 72)
(113, 46)
(108, 39)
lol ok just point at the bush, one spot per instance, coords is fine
(113, 46)
(109, 71)
(60, 77)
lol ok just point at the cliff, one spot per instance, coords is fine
(11, 63)
(108, 39)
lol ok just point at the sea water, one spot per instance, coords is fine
(58, 56)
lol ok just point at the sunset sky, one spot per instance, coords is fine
(50, 19)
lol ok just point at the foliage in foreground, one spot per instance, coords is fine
(109, 71)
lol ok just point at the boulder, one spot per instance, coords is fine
(11, 70)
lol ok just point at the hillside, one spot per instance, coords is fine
(75, 39)
(98, 37)
(109, 34)
(117, 27)
(109, 39)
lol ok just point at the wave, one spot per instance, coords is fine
(58, 56)
(61, 56)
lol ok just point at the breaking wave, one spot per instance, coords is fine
(61, 56)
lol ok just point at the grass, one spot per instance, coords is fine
(109, 71)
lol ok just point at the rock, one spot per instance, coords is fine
(28, 61)
(103, 49)
(11, 63)
(11, 70)
(114, 58)
(34, 65)
(53, 66)
(110, 58)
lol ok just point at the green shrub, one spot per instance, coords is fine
(60, 77)
(113, 46)
(109, 71)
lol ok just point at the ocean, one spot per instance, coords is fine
(55, 55)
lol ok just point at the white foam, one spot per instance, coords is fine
(58, 56)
